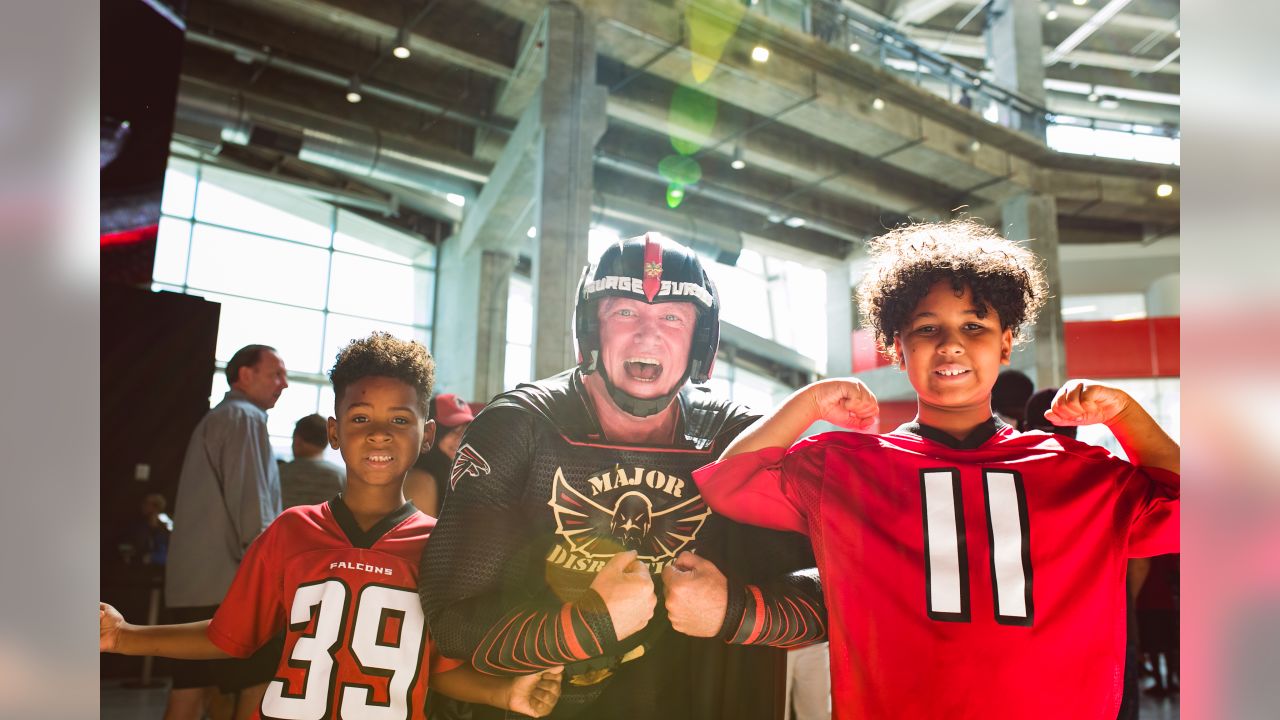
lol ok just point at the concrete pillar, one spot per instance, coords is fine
(471, 320)
(1017, 59)
(1034, 218)
(572, 110)
(841, 319)
(1163, 297)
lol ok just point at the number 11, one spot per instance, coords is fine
(946, 553)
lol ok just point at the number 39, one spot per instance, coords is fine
(946, 555)
(316, 652)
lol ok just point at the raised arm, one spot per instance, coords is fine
(1086, 402)
(483, 540)
(188, 641)
(845, 402)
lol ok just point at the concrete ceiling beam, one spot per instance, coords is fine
(380, 21)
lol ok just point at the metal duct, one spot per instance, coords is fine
(249, 53)
(208, 111)
(773, 212)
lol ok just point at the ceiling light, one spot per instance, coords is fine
(795, 221)
(1093, 96)
(676, 192)
(456, 199)
(533, 232)
(855, 47)
(401, 47)
(353, 90)
(1108, 102)
(877, 104)
(975, 146)
(760, 53)
(1079, 2)
(1051, 15)
(1164, 190)
(738, 163)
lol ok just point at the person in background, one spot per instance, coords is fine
(310, 479)
(425, 485)
(228, 493)
(1009, 398)
(1037, 405)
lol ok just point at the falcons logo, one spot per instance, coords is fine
(596, 531)
(468, 462)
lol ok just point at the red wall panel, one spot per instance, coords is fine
(1146, 347)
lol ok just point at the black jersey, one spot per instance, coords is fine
(538, 503)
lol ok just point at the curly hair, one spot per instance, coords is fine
(384, 355)
(908, 261)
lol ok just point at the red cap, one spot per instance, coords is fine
(452, 411)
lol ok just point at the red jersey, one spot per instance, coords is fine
(356, 644)
(979, 581)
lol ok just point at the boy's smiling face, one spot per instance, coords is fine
(380, 431)
(952, 352)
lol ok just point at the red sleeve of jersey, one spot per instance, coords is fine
(1154, 530)
(758, 488)
(251, 613)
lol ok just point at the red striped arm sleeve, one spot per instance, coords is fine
(788, 613)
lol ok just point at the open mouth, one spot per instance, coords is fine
(379, 459)
(951, 371)
(642, 369)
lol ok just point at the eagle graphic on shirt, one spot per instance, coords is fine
(593, 530)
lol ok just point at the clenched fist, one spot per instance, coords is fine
(535, 695)
(845, 402)
(696, 595)
(1085, 402)
(627, 590)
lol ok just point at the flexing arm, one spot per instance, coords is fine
(1155, 480)
(845, 402)
(1085, 402)
(483, 542)
(189, 641)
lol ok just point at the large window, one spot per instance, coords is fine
(290, 271)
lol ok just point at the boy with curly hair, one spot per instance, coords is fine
(340, 579)
(970, 571)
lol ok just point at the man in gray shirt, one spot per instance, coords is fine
(310, 479)
(228, 492)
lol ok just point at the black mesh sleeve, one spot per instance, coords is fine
(787, 612)
(471, 582)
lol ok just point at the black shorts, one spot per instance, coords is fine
(231, 675)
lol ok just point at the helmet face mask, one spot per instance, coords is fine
(652, 270)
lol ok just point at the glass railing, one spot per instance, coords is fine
(846, 27)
